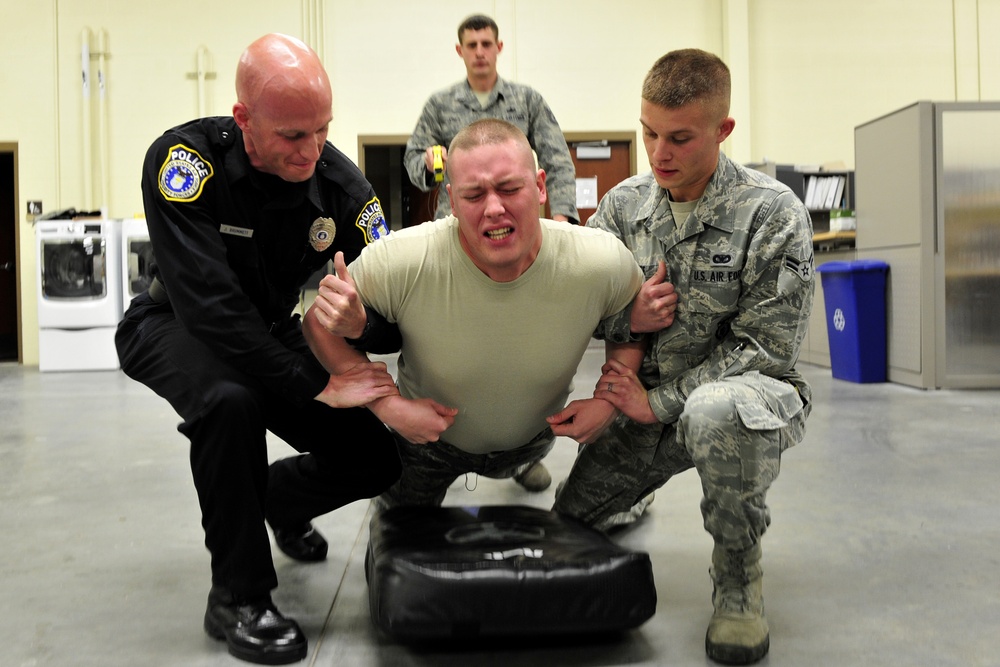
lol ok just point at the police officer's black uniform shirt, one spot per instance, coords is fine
(234, 246)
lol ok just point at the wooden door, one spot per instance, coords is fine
(619, 164)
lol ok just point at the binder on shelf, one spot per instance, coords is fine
(821, 190)
(838, 193)
(824, 192)
(820, 193)
(810, 195)
(831, 199)
(812, 185)
(827, 192)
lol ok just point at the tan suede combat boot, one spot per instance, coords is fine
(738, 632)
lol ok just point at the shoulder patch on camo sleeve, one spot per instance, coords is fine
(372, 221)
(800, 267)
(183, 174)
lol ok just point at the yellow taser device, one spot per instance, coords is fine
(438, 164)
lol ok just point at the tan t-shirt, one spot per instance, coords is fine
(504, 354)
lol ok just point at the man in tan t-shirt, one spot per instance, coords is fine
(495, 307)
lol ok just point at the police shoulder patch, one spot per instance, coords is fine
(183, 174)
(372, 221)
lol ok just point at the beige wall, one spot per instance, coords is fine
(809, 72)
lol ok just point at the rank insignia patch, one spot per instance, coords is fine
(372, 221)
(321, 233)
(795, 272)
(802, 268)
(183, 174)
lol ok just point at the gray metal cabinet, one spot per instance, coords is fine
(927, 181)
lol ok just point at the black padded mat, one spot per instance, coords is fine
(447, 572)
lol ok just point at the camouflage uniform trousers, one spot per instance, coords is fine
(428, 470)
(732, 432)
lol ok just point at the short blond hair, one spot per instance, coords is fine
(689, 75)
(488, 132)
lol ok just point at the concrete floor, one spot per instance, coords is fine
(883, 548)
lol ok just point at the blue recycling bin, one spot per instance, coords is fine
(854, 293)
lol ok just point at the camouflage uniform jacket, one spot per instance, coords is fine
(742, 265)
(449, 110)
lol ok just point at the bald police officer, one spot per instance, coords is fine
(242, 210)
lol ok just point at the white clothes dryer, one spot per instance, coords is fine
(79, 293)
(137, 259)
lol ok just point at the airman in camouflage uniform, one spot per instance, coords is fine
(717, 389)
(449, 110)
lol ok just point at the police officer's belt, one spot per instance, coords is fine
(157, 292)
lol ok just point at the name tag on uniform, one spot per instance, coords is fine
(236, 231)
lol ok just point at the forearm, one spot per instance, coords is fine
(413, 157)
(749, 346)
(667, 399)
(416, 169)
(333, 352)
(562, 193)
(618, 328)
(547, 138)
(629, 354)
(620, 387)
(391, 410)
(379, 336)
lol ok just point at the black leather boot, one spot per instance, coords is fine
(254, 629)
(302, 542)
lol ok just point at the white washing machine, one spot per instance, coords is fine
(79, 293)
(137, 259)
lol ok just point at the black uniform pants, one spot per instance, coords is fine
(226, 413)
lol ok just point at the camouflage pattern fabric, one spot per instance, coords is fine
(721, 378)
(449, 110)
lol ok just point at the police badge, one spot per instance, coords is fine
(321, 233)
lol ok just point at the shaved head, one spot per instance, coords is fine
(284, 106)
(276, 66)
(490, 132)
